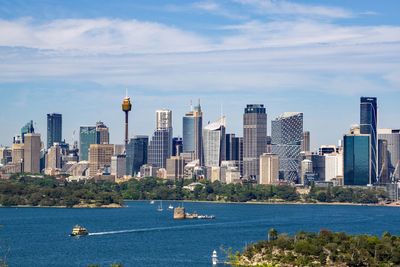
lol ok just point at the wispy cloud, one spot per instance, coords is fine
(290, 8)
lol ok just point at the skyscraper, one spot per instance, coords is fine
(177, 146)
(286, 140)
(393, 151)
(160, 147)
(54, 129)
(87, 136)
(32, 146)
(99, 157)
(136, 153)
(254, 139)
(192, 133)
(306, 142)
(103, 133)
(27, 128)
(357, 159)
(368, 125)
(214, 143)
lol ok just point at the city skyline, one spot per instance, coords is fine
(290, 56)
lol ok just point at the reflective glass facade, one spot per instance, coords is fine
(54, 129)
(87, 136)
(136, 154)
(368, 125)
(357, 159)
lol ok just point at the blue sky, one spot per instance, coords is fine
(317, 57)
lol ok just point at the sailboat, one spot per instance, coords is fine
(160, 208)
(170, 207)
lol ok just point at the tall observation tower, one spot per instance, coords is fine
(126, 107)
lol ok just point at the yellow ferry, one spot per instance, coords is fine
(79, 231)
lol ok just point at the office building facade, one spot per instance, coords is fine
(192, 129)
(286, 142)
(357, 159)
(254, 139)
(368, 125)
(214, 143)
(54, 129)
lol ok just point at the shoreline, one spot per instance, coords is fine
(78, 206)
(393, 204)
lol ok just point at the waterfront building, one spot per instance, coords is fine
(368, 125)
(214, 143)
(136, 154)
(32, 147)
(27, 128)
(118, 166)
(160, 147)
(392, 136)
(100, 158)
(192, 126)
(286, 139)
(175, 168)
(254, 139)
(306, 142)
(269, 169)
(54, 129)
(102, 133)
(87, 136)
(357, 159)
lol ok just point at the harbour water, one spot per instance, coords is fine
(139, 235)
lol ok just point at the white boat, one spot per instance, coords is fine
(152, 202)
(160, 208)
(170, 207)
(214, 258)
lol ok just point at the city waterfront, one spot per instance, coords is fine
(139, 235)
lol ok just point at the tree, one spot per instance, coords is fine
(272, 234)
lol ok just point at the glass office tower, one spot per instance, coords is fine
(54, 129)
(368, 125)
(357, 159)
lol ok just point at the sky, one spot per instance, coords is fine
(79, 57)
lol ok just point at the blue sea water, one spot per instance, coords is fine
(40, 236)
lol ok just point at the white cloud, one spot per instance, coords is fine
(289, 8)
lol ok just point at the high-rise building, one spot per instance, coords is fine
(54, 129)
(393, 152)
(87, 136)
(160, 147)
(231, 147)
(32, 146)
(306, 142)
(306, 168)
(214, 143)
(357, 159)
(175, 168)
(136, 154)
(17, 153)
(327, 149)
(27, 128)
(103, 133)
(383, 162)
(54, 157)
(286, 140)
(368, 125)
(254, 139)
(192, 133)
(269, 169)
(118, 166)
(5, 155)
(99, 157)
(177, 146)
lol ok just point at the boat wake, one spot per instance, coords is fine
(174, 227)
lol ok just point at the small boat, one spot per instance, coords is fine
(160, 208)
(214, 258)
(79, 231)
(170, 207)
(152, 202)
